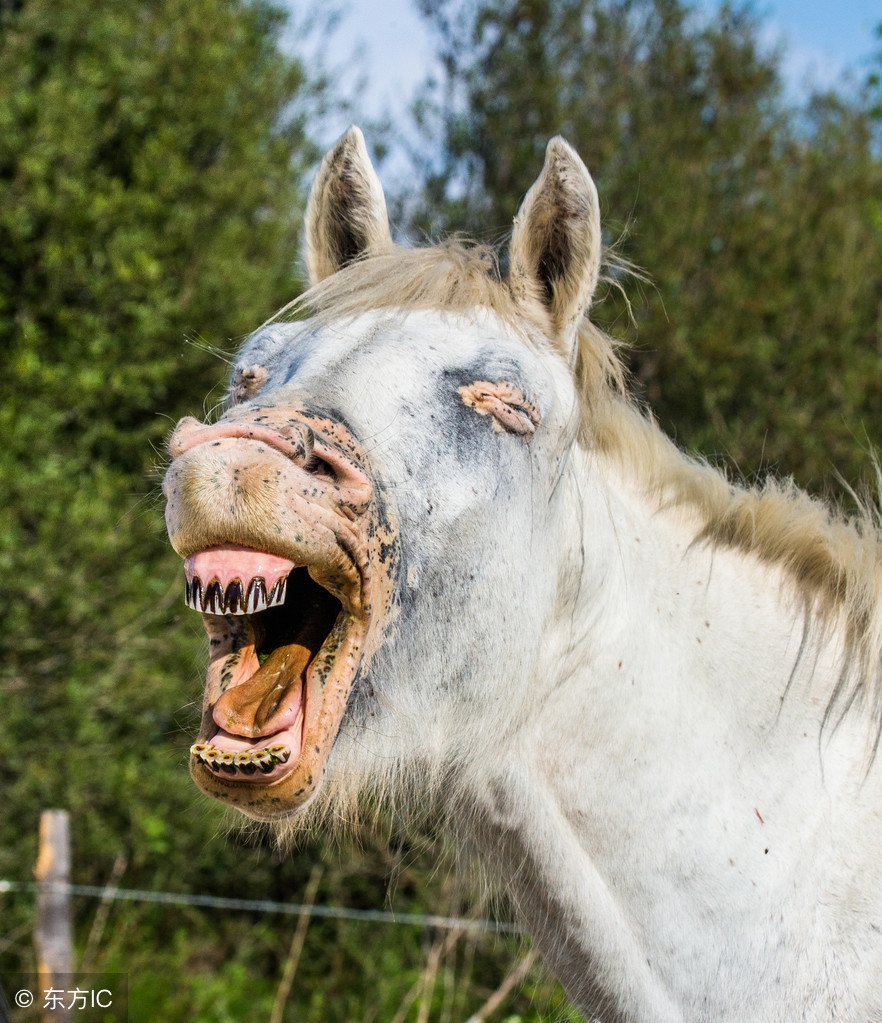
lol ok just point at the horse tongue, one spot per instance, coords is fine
(271, 700)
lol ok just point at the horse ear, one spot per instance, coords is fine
(346, 214)
(556, 241)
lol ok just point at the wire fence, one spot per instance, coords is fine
(265, 906)
(52, 923)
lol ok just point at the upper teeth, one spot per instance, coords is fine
(236, 599)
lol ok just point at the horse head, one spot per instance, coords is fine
(371, 527)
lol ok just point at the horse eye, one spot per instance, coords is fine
(510, 410)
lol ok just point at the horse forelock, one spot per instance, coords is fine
(457, 277)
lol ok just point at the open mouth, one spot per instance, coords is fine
(292, 564)
(273, 631)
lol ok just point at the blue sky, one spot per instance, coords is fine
(823, 37)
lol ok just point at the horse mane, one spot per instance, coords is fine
(833, 559)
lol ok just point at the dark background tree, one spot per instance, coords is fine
(756, 220)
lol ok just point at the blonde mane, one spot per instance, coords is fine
(833, 559)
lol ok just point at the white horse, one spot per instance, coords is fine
(443, 560)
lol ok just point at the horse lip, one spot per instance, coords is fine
(242, 430)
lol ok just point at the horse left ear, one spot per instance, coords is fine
(556, 242)
(346, 215)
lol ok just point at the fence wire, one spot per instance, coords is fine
(265, 906)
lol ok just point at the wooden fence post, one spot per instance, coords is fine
(53, 935)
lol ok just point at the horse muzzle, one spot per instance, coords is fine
(291, 561)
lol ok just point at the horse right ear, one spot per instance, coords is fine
(346, 215)
(556, 242)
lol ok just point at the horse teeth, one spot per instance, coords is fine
(193, 594)
(246, 761)
(213, 600)
(256, 596)
(262, 761)
(277, 593)
(236, 599)
(244, 764)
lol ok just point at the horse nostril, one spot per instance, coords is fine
(303, 437)
(319, 467)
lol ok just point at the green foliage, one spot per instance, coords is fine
(151, 161)
(758, 224)
(149, 164)
(152, 158)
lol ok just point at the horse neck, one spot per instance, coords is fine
(678, 721)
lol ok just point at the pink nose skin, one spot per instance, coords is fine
(323, 449)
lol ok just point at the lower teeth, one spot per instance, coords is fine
(247, 762)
